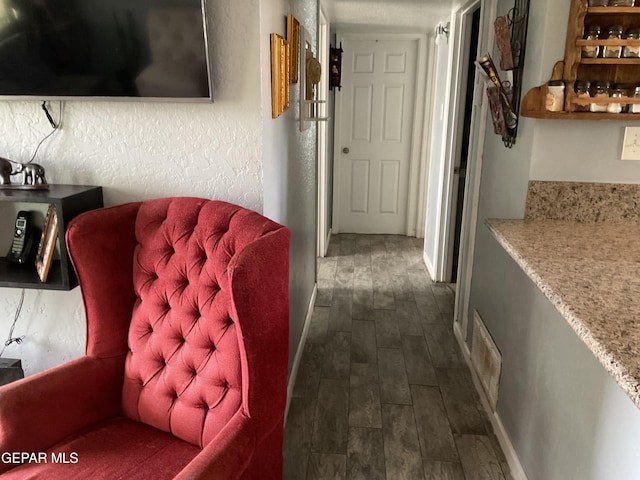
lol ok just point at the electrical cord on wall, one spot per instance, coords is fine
(55, 126)
(11, 339)
(46, 112)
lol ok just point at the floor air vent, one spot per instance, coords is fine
(486, 359)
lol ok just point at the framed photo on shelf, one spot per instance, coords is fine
(47, 243)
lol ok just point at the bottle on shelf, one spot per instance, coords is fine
(582, 91)
(613, 51)
(599, 90)
(632, 51)
(592, 33)
(617, 91)
(555, 96)
(635, 107)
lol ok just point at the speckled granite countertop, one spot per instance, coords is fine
(591, 273)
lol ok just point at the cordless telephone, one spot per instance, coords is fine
(22, 239)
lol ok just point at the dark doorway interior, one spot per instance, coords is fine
(464, 153)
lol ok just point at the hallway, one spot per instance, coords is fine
(382, 390)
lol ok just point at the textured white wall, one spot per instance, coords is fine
(410, 15)
(138, 151)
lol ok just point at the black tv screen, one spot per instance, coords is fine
(130, 49)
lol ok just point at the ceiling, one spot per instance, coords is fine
(421, 15)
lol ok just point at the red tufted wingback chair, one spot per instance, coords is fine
(186, 357)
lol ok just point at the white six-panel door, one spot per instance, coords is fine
(376, 127)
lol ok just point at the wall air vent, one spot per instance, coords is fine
(486, 359)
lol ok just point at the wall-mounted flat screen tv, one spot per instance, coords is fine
(104, 49)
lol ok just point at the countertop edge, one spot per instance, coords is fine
(629, 384)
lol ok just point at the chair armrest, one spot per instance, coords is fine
(227, 455)
(38, 411)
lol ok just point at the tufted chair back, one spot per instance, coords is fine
(187, 370)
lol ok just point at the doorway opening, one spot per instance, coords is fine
(466, 139)
(378, 133)
(324, 173)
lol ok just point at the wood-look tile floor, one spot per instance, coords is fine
(383, 392)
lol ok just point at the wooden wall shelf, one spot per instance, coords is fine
(610, 61)
(70, 201)
(621, 117)
(607, 42)
(576, 68)
(613, 10)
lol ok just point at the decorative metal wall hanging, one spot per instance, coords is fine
(504, 95)
(518, 18)
(335, 68)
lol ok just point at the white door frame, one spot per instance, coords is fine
(474, 171)
(324, 233)
(418, 160)
(459, 36)
(426, 143)
(463, 30)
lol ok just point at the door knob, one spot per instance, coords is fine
(345, 150)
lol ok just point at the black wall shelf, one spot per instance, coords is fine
(70, 201)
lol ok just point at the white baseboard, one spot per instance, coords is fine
(430, 268)
(298, 358)
(427, 264)
(326, 243)
(517, 472)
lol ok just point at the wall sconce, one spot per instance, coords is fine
(442, 30)
(310, 72)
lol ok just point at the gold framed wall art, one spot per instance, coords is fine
(280, 61)
(293, 37)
